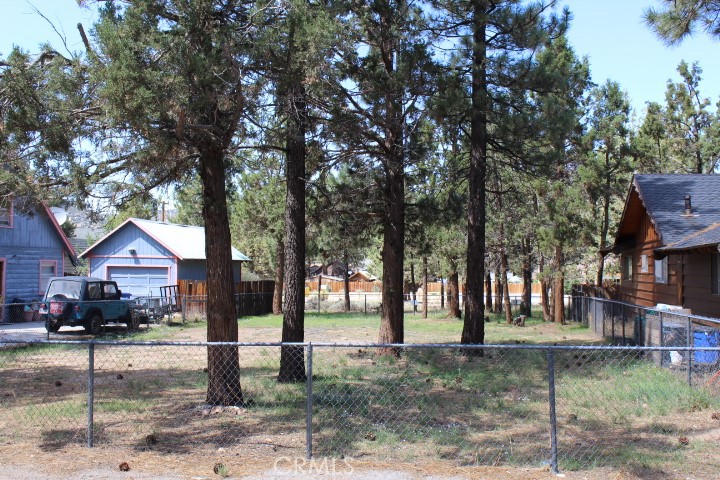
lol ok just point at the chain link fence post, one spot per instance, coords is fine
(553, 417)
(309, 405)
(90, 392)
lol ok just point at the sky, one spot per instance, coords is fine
(611, 33)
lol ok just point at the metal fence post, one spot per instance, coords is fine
(366, 304)
(309, 405)
(91, 391)
(553, 417)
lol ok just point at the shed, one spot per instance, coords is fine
(33, 248)
(144, 255)
(668, 241)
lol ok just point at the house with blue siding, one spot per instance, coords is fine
(33, 248)
(144, 255)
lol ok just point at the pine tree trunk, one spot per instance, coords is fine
(223, 361)
(488, 293)
(279, 277)
(425, 288)
(558, 285)
(292, 358)
(453, 293)
(506, 290)
(442, 294)
(413, 286)
(605, 222)
(474, 324)
(527, 279)
(346, 281)
(392, 328)
(498, 291)
(544, 292)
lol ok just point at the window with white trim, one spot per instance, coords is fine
(661, 270)
(48, 269)
(644, 264)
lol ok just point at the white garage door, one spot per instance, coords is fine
(139, 281)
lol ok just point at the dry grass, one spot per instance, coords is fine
(434, 412)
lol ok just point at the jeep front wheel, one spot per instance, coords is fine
(94, 325)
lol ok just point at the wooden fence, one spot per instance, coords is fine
(334, 286)
(199, 287)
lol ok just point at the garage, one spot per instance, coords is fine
(140, 281)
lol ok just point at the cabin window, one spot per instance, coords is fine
(627, 267)
(644, 264)
(6, 213)
(48, 269)
(661, 270)
(714, 273)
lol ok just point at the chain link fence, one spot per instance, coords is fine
(565, 407)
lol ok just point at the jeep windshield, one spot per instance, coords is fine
(69, 288)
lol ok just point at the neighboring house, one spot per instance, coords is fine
(668, 242)
(33, 248)
(362, 276)
(143, 255)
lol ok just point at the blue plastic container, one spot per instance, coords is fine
(707, 338)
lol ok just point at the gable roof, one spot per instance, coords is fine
(58, 229)
(186, 242)
(663, 198)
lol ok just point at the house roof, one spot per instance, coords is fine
(663, 197)
(71, 250)
(186, 242)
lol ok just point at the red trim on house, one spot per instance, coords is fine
(157, 257)
(131, 220)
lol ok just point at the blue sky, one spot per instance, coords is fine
(610, 32)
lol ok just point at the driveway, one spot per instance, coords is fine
(34, 331)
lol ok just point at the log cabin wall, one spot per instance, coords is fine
(698, 296)
(642, 289)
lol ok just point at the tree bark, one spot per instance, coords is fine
(223, 361)
(346, 281)
(527, 278)
(558, 285)
(506, 291)
(474, 324)
(488, 293)
(392, 328)
(425, 288)
(498, 290)
(279, 277)
(605, 221)
(442, 294)
(453, 292)
(413, 286)
(544, 292)
(292, 358)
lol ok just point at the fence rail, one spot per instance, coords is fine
(567, 407)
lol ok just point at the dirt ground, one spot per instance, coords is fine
(26, 462)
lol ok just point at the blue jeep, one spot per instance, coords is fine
(85, 301)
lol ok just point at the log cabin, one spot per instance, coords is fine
(668, 241)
